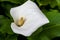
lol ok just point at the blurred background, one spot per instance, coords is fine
(50, 31)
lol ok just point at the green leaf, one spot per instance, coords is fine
(42, 2)
(47, 2)
(5, 25)
(6, 36)
(58, 3)
(14, 1)
(11, 37)
(52, 31)
(53, 16)
(53, 3)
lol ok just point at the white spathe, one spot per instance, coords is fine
(33, 15)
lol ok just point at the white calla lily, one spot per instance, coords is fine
(27, 18)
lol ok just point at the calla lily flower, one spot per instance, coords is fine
(27, 18)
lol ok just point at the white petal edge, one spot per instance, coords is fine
(25, 31)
